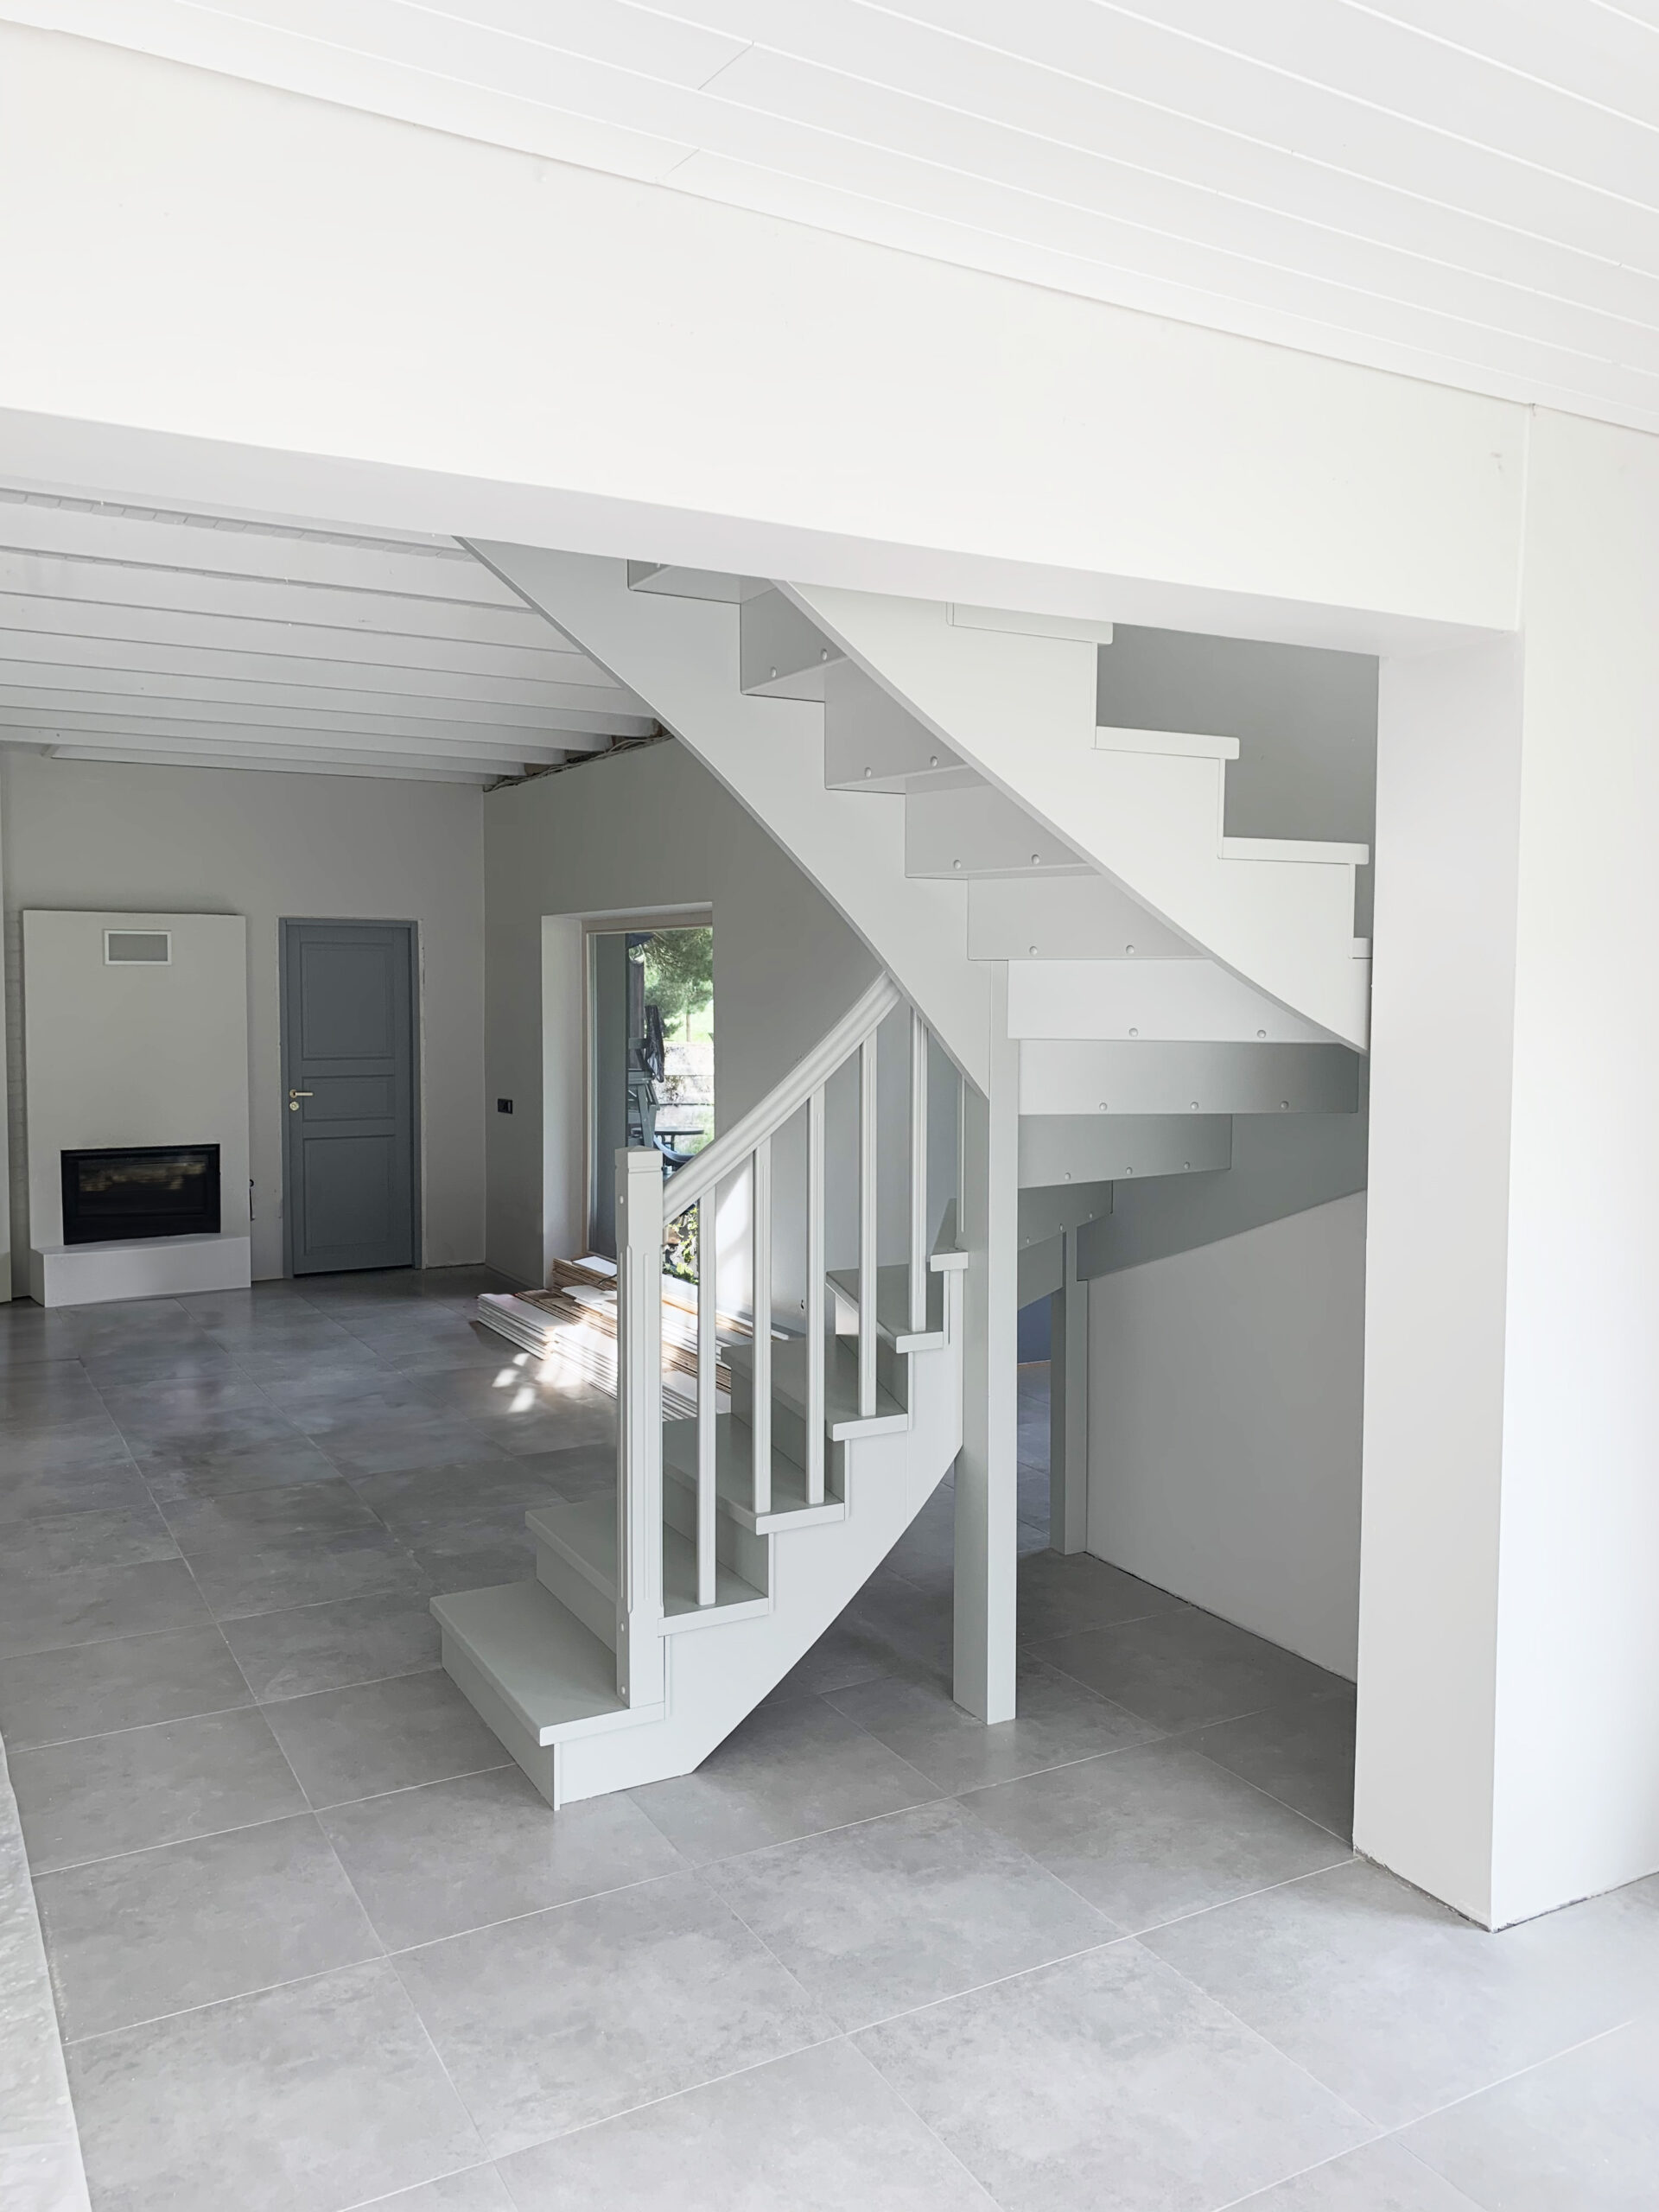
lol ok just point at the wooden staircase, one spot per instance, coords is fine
(744, 1518)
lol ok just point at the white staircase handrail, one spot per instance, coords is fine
(730, 1151)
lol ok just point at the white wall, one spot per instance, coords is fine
(1509, 1713)
(84, 835)
(744, 412)
(134, 1055)
(1224, 1435)
(645, 831)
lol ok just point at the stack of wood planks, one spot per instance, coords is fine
(571, 1330)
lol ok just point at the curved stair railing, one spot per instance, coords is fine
(646, 1209)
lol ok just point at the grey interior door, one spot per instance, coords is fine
(348, 1061)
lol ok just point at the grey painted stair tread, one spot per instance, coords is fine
(735, 1481)
(585, 1535)
(536, 1653)
(893, 1304)
(841, 1413)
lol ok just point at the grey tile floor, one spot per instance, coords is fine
(315, 1944)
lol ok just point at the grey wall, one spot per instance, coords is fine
(649, 830)
(91, 835)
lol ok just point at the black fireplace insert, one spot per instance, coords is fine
(162, 1189)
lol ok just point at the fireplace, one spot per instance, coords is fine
(114, 1195)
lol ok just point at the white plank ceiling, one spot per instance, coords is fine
(221, 641)
(1466, 190)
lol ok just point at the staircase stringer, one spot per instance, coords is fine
(681, 655)
(1021, 710)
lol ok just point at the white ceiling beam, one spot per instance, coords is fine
(115, 756)
(224, 745)
(107, 583)
(23, 725)
(551, 662)
(82, 693)
(210, 549)
(46, 658)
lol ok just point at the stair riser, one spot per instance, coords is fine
(1046, 1213)
(540, 1762)
(1156, 1002)
(1058, 1150)
(665, 582)
(958, 835)
(1065, 918)
(739, 1549)
(780, 654)
(591, 1607)
(789, 1421)
(1076, 1078)
(870, 743)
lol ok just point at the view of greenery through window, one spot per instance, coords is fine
(680, 983)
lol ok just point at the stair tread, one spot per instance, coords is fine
(1318, 851)
(555, 1673)
(840, 1411)
(893, 1304)
(585, 1534)
(733, 1478)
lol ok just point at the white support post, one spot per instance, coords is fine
(816, 1347)
(639, 1427)
(760, 1407)
(867, 1193)
(1068, 1410)
(987, 1519)
(708, 1308)
(917, 1173)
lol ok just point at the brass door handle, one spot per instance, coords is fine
(302, 1094)
(294, 1098)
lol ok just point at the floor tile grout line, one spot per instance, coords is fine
(380, 1958)
(1389, 2135)
(1518, 2072)
(1244, 1897)
(924, 2123)
(483, 2165)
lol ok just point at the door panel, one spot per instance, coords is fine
(348, 1029)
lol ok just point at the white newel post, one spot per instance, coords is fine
(988, 1532)
(639, 1427)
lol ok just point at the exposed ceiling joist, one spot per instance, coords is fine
(210, 546)
(42, 619)
(173, 672)
(242, 758)
(164, 735)
(43, 575)
(216, 639)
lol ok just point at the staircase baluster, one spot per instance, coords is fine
(917, 1173)
(708, 1306)
(867, 1219)
(815, 1263)
(760, 1303)
(639, 1427)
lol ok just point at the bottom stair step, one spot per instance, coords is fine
(584, 1536)
(555, 1677)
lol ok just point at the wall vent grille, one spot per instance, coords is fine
(137, 947)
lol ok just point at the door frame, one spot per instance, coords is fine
(286, 924)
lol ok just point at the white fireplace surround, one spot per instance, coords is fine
(130, 1052)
